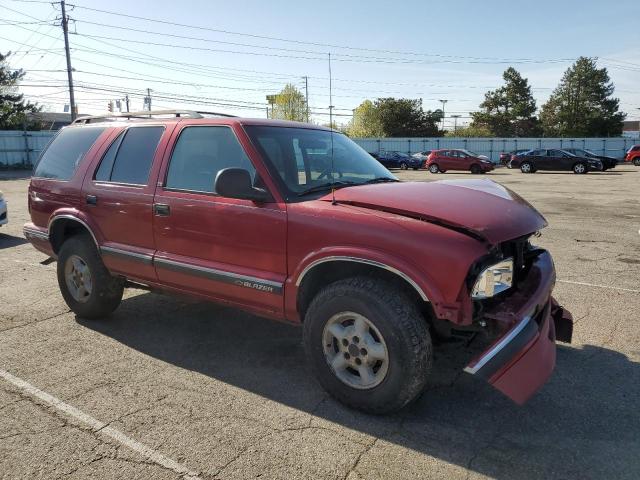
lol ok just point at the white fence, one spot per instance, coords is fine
(21, 149)
(492, 147)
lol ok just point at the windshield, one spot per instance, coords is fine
(300, 159)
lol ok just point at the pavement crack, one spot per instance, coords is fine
(32, 323)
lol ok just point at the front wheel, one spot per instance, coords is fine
(636, 161)
(86, 285)
(368, 344)
(403, 166)
(579, 168)
(433, 168)
(475, 169)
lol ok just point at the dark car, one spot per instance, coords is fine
(505, 158)
(607, 162)
(297, 223)
(554, 160)
(399, 160)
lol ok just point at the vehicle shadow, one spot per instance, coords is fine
(583, 424)
(8, 241)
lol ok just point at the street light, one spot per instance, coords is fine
(455, 122)
(443, 102)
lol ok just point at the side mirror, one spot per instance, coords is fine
(236, 183)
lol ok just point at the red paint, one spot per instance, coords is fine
(455, 159)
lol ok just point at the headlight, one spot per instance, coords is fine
(493, 280)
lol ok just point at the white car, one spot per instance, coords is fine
(3, 210)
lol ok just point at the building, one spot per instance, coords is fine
(631, 128)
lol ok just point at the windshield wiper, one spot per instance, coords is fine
(325, 186)
(382, 180)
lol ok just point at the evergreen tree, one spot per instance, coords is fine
(582, 104)
(508, 111)
(13, 107)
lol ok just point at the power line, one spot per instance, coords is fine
(318, 44)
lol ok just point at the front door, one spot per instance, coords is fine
(228, 249)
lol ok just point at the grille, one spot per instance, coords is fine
(517, 249)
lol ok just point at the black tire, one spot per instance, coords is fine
(106, 291)
(434, 168)
(636, 161)
(475, 169)
(400, 324)
(580, 168)
(415, 168)
(526, 167)
(403, 166)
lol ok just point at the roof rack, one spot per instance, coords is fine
(145, 114)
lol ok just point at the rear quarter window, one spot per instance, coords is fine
(61, 158)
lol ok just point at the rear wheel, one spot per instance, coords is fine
(403, 166)
(86, 285)
(433, 168)
(579, 168)
(475, 169)
(526, 167)
(367, 344)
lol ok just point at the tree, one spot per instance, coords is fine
(13, 107)
(365, 121)
(582, 104)
(470, 131)
(509, 111)
(403, 117)
(290, 104)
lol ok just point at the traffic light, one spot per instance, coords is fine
(110, 106)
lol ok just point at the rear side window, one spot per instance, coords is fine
(129, 158)
(61, 159)
(200, 153)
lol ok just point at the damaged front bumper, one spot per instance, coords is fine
(521, 360)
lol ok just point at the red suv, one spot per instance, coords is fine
(633, 155)
(295, 222)
(439, 161)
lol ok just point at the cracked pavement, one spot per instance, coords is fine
(228, 395)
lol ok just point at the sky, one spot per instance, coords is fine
(226, 56)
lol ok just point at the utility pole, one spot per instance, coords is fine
(126, 101)
(455, 122)
(443, 102)
(65, 30)
(149, 99)
(306, 92)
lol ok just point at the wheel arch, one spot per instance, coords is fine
(64, 225)
(323, 271)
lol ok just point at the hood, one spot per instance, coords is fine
(481, 209)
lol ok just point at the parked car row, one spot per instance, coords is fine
(578, 160)
(436, 161)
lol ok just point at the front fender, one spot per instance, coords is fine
(418, 279)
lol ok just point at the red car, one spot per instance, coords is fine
(297, 223)
(633, 155)
(439, 161)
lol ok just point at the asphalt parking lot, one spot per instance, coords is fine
(170, 388)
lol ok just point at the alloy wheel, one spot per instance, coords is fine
(355, 350)
(78, 278)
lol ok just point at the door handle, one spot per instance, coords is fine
(92, 200)
(161, 209)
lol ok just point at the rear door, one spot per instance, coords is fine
(119, 195)
(228, 249)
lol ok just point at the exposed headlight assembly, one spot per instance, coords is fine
(493, 280)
